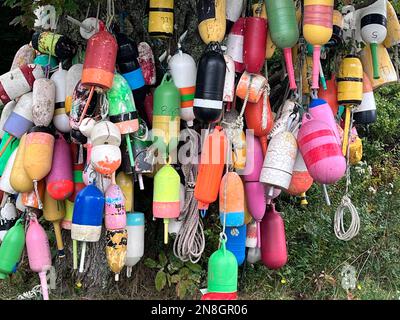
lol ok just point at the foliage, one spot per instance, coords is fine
(185, 276)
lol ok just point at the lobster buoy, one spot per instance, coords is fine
(143, 165)
(59, 181)
(25, 55)
(56, 45)
(19, 179)
(255, 39)
(39, 255)
(393, 27)
(330, 94)
(100, 58)
(320, 110)
(38, 155)
(301, 179)
(43, 101)
(279, 162)
(231, 200)
(235, 44)
(253, 84)
(317, 30)
(222, 271)
(125, 182)
(161, 18)
(211, 15)
(236, 242)
(106, 158)
(337, 29)
(365, 113)
(54, 211)
(251, 234)
(7, 110)
(210, 81)
(74, 75)
(282, 24)
(320, 150)
(270, 46)
(234, 9)
(166, 120)
(8, 214)
(254, 189)
(350, 81)
(60, 119)
(259, 116)
(5, 184)
(129, 67)
(11, 249)
(19, 81)
(87, 218)
(211, 167)
(166, 198)
(135, 250)
(77, 169)
(147, 63)
(229, 85)
(373, 29)
(7, 152)
(183, 71)
(273, 240)
(115, 213)
(116, 249)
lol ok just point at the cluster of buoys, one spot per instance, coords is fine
(75, 140)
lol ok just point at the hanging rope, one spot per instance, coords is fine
(189, 243)
(340, 231)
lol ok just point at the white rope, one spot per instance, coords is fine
(36, 292)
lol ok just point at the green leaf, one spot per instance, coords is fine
(163, 259)
(160, 280)
(194, 267)
(184, 272)
(175, 278)
(150, 263)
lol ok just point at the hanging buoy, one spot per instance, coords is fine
(59, 181)
(11, 249)
(231, 200)
(350, 81)
(236, 242)
(259, 116)
(211, 167)
(273, 240)
(255, 40)
(222, 271)
(19, 81)
(43, 101)
(373, 29)
(74, 75)
(393, 27)
(38, 156)
(19, 179)
(45, 61)
(147, 63)
(60, 119)
(235, 44)
(337, 29)
(56, 45)
(5, 177)
(8, 216)
(270, 46)
(365, 113)
(239, 154)
(212, 20)
(234, 9)
(254, 189)
(301, 179)
(229, 85)
(125, 182)
(183, 71)
(284, 30)
(317, 30)
(166, 120)
(106, 158)
(87, 218)
(54, 211)
(251, 234)
(255, 90)
(135, 250)
(6, 112)
(9, 149)
(77, 167)
(116, 249)
(279, 162)
(253, 255)
(320, 110)
(25, 55)
(161, 18)
(166, 196)
(210, 81)
(143, 163)
(115, 213)
(99, 66)
(38, 250)
(321, 151)
(330, 94)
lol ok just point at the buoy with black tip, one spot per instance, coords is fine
(161, 18)
(211, 15)
(366, 113)
(56, 45)
(60, 118)
(234, 9)
(210, 81)
(8, 216)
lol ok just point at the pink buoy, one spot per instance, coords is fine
(321, 152)
(115, 217)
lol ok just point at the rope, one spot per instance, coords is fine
(340, 231)
(36, 292)
(189, 243)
